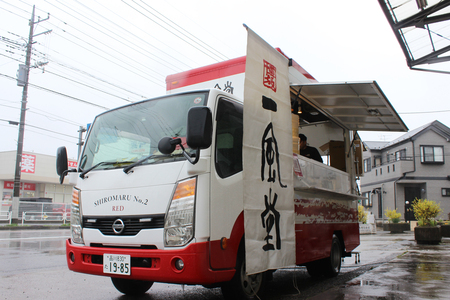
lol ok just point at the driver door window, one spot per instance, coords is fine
(229, 134)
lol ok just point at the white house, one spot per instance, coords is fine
(415, 165)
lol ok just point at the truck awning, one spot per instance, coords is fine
(359, 106)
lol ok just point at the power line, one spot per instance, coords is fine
(87, 74)
(87, 50)
(186, 33)
(144, 41)
(185, 16)
(96, 78)
(58, 93)
(49, 116)
(53, 117)
(103, 57)
(90, 103)
(81, 83)
(80, 41)
(59, 139)
(68, 96)
(91, 87)
(102, 50)
(134, 46)
(29, 125)
(13, 12)
(169, 23)
(176, 35)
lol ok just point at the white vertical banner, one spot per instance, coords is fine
(269, 218)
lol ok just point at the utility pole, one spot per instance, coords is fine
(80, 140)
(16, 193)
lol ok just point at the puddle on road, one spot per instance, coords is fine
(430, 271)
(419, 274)
(55, 247)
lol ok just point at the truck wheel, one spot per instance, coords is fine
(315, 268)
(333, 263)
(243, 286)
(131, 287)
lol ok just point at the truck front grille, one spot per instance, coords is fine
(131, 225)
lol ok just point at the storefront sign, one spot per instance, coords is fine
(9, 185)
(28, 163)
(72, 164)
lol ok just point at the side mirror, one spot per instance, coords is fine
(199, 134)
(166, 145)
(61, 160)
(199, 128)
(61, 163)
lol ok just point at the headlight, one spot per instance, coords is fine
(179, 222)
(75, 217)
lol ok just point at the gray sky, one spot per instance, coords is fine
(107, 53)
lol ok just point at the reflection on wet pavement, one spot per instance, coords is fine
(38, 241)
(23, 250)
(422, 272)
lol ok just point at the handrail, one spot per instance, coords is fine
(45, 216)
(8, 216)
(383, 163)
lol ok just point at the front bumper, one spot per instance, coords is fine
(151, 264)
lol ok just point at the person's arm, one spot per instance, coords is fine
(317, 155)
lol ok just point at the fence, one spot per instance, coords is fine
(44, 212)
(45, 216)
(6, 216)
(370, 227)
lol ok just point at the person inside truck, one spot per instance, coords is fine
(308, 151)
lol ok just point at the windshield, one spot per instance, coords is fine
(130, 133)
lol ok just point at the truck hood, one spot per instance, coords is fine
(146, 190)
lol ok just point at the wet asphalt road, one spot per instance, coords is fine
(33, 266)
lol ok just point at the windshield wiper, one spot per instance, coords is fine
(127, 169)
(83, 174)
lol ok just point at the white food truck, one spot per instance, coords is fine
(202, 187)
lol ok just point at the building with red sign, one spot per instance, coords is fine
(38, 178)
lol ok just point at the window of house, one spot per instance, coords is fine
(393, 168)
(367, 165)
(377, 161)
(368, 201)
(445, 192)
(400, 155)
(432, 154)
(381, 171)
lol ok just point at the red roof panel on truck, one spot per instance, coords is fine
(223, 69)
(220, 70)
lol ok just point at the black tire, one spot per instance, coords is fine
(329, 267)
(131, 287)
(333, 263)
(315, 268)
(243, 286)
